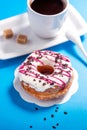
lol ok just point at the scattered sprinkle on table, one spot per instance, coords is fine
(54, 127)
(52, 115)
(65, 113)
(44, 118)
(36, 108)
(30, 126)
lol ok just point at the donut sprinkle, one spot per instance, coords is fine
(45, 69)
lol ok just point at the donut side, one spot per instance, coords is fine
(48, 94)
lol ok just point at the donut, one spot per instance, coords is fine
(46, 74)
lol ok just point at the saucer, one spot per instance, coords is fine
(9, 48)
(30, 99)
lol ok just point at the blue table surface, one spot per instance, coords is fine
(15, 113)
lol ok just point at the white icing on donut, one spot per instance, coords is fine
(40, 82)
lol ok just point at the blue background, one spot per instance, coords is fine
(17, 114)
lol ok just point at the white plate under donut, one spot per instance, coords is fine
(25, 96)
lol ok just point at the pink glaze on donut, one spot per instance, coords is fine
(61, 75)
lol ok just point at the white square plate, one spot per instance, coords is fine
(9, 48)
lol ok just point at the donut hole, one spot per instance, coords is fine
(45, 69)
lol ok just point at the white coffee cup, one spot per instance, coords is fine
(46, 26)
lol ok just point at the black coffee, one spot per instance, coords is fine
(47, 7)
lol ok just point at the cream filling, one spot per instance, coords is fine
(38, 86)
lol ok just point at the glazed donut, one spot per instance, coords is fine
(46, 74)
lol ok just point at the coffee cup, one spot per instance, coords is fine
(47, 17)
